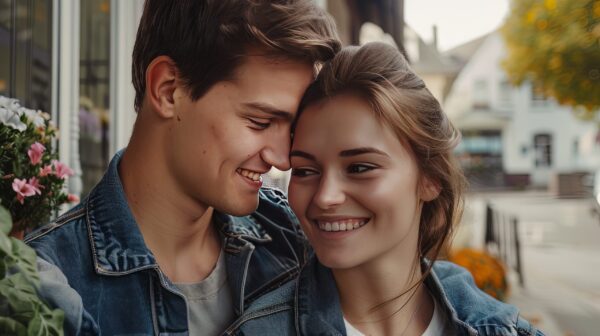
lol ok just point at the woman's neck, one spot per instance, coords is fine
(385, 297)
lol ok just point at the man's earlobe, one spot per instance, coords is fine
(429, 190)
(161, 82)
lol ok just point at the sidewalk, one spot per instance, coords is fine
(560, 254)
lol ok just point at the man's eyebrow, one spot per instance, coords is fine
(266, 108)
(362, 150)
(303, 154)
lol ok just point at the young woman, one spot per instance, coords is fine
(377, 193)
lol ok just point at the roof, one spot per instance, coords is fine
(461, 54)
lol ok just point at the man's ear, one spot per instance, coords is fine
(429, 189)
(161, 82)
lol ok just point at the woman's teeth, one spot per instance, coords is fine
(342, 225)
(254, 176)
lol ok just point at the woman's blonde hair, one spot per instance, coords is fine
(381, 75)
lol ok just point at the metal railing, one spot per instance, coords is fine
(502, 239)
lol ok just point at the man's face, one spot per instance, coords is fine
(221, 144)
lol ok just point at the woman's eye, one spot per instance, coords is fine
(259, 124)
(303, 172)
(360, 168)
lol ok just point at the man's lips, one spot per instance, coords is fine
(250, 174)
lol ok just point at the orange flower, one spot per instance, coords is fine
(488, 272)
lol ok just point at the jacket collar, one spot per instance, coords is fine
(118, 246)
(318, 303)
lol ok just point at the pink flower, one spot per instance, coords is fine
(35, 153)
(47, 170)
(72, 198)
(23, 189)
(35, 184)
(61, 169)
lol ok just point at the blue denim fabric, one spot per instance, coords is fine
(471, 311)
(316, 310)
(95, 265)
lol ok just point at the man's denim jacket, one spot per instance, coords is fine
(310, 305)
(95, 265)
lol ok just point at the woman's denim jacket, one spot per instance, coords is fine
(95, 265)
(309, 305)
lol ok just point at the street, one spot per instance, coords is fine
(561, 258)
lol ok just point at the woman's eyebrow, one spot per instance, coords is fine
(362, 150)
(303, 155)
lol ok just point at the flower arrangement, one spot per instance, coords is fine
(22, 312)
(31, 177)
(489, 273)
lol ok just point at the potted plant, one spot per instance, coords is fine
(488, 272)
(32, 179)
(22, 312)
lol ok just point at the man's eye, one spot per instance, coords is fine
(360, 168)
(303, 172)
(259, 124)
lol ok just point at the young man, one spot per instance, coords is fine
(156, 248)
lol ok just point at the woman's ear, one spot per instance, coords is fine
(429, 190)
(161, 82)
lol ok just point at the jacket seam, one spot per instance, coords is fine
(263, 312)
(153, 303)
(59, 222)
(276, 282)
(244, 278)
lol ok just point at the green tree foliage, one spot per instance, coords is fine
(22, 312)
(556, 44)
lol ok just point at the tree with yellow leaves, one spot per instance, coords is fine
(556, 45)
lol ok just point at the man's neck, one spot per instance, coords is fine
(176, 228)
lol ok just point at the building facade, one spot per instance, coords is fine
(514, 136)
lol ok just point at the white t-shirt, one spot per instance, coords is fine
(437, 325)
(210, 304)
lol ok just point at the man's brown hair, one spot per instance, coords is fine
(208, 39)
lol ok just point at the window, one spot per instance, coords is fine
(538, 98)
(542, 144)
(94, 74)
(25, 51)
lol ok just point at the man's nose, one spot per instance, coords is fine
(277, 153)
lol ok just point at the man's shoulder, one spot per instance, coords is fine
(475, 307)
(61, 234)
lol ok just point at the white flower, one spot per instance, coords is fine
(34, 117)
(10, 104)
(11, 119)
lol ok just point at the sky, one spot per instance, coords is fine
(458, 21)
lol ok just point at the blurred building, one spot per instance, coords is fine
(514, 136)
(72, 58)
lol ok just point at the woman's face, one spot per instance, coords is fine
(354, 185)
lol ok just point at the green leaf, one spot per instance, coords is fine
(27, 260)
(5, 220)
(46, 324)
(9, 326)
(6, 249)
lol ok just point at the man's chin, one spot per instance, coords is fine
(243, 207)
